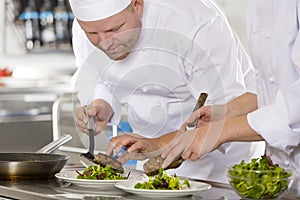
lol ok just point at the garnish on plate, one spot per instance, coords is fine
(100, 173)
(164, 181)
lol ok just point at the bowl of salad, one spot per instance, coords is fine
(259, 179)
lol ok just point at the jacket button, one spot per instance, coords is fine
(145, 89)
(272, 79)
(286, 162)
(268, 35)
(107, 83)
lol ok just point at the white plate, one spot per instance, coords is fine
(71, 177)
(128, 186)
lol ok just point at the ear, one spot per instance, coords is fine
(138, 6)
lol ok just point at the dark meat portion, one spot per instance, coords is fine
(103, 160)
(152, 166)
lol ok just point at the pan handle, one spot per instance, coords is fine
(55, 144)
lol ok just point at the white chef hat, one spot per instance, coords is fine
(92, 10)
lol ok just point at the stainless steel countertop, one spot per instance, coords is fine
(55, 189)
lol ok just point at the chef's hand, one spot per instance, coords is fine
(192, 144)
(137, 147)
(100, 110)
(239, 106)
(206, 114)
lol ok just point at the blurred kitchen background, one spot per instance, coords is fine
(36, 66)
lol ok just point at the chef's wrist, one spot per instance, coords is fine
(230, 110)
(164, 140)
(159, 142)
(241, 105)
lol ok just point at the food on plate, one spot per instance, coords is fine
(152, 166)
(100, 173)
(104, 160)
(164, 181)
(259, 179)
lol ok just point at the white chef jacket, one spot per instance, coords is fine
(274, 41)
(185, 48)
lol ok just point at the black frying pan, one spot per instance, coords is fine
(33, 165)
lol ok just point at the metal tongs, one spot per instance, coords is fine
(151, 167)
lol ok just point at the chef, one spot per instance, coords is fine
(155, 57)
(274, 41)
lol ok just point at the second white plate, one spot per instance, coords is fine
(128, 186)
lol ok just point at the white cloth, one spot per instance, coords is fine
(185, 47)
(274, 41)
(92, 10)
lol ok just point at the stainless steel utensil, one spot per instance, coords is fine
(91, 128)
(101, 158)
(55, 144)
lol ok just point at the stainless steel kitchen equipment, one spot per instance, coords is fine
(37, 165)
(56, 189)
(26, 116)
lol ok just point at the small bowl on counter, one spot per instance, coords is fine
(259, 179)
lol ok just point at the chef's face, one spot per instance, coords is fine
(117, 35)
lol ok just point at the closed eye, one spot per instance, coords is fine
(92, 33)
(115, 29)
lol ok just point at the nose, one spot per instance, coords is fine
(105, 40)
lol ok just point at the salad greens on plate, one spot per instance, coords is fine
(163, 181)
(100, 173)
